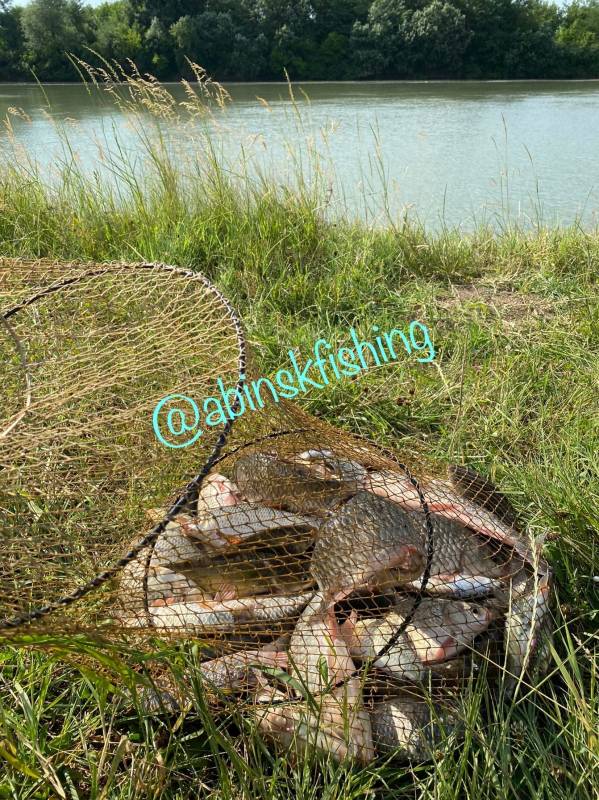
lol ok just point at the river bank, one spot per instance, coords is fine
(459, 155)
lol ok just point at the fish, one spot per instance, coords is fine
(166, 586)
(227, 614)
(224, 518)
(336, 724)
(463, 566)
(318, 654)
(524, 623)
(411, 727)
(442, 500)
(176, 544)
(238, 670)
(393, 486)
(294, 484)
(277, 562)
(366, 537)
(172, 547)
(440, 628)
(326, 465)
(439, 631)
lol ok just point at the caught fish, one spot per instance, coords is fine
(410, 726)
(365, 538)
(176, 544)
(150, 577)
(442, 500)
(237, 670)
(165, 586)
(336, 724)
(217, 492)
(224, 518)
(277, 562)
(439, 630)
(300, 484)
(460, 586)
(324, 464)
(317, 652)
(524, 622)
(393, 486)
(463, 566)
(227, 613)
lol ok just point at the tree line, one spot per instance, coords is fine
(310, 39)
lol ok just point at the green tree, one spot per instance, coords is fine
(578, 40)
(53, 28)
(289, 28)
(116, 38)
(438, 38)
(12, 44)
(144, 12)
(381, 45)
(158, 48)
(224, 39)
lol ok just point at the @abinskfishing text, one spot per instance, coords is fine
(178, 421)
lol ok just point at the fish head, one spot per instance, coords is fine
(471, 617)
(326, 465)
(443, 628)
(217, 492)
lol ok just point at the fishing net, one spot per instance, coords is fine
(309, 563)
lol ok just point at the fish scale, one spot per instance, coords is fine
(365, 536)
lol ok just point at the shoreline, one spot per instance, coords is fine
(386, 82)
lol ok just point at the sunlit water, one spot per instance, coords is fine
(449, 153)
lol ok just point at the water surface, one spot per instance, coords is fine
(449, 153)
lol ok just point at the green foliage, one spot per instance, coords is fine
(116, 38)
(12, 44)
(308, 39)
(53, 28)
(224, 39)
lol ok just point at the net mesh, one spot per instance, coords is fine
(344, 597)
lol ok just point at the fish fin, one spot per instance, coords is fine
(225, 591)
(480, 490)
(437, 655)
(346, 629)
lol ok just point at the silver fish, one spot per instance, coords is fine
(228, 613)
(291, 483)
(439, 630)
(463, 566)
(336, 723)
(524, 622)
(410, 726)
(224, 519)
(318, 654)
(176, 544)
(367, 536)
(236, 670)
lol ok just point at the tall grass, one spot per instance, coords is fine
(513, 392)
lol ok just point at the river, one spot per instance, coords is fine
(447, 153)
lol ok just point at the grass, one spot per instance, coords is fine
(513, 392)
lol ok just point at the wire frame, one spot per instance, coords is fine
(345, 599)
